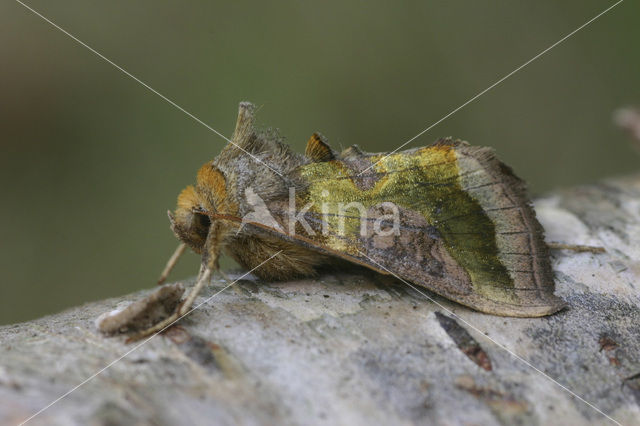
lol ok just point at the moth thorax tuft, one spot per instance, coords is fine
(212, 183)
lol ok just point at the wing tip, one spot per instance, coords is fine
(550, 305)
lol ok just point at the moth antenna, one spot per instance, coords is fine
(172, 262)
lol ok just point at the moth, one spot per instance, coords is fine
(449, 217)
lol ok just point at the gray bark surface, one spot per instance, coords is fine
(354, 347)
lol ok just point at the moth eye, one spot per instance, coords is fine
(202, 221)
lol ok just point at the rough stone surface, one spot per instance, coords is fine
(354, 347)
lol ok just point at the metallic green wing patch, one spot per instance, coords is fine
(474, 218)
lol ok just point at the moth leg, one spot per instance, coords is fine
(208, 266)
(200, 272)
(576, 247)
(203, 280)
(172, 262)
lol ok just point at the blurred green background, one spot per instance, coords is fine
(91, 160)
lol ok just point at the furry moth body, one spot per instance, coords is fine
(466, 230)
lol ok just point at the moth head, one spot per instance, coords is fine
(189, 223)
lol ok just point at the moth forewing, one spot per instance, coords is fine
(466, 231)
